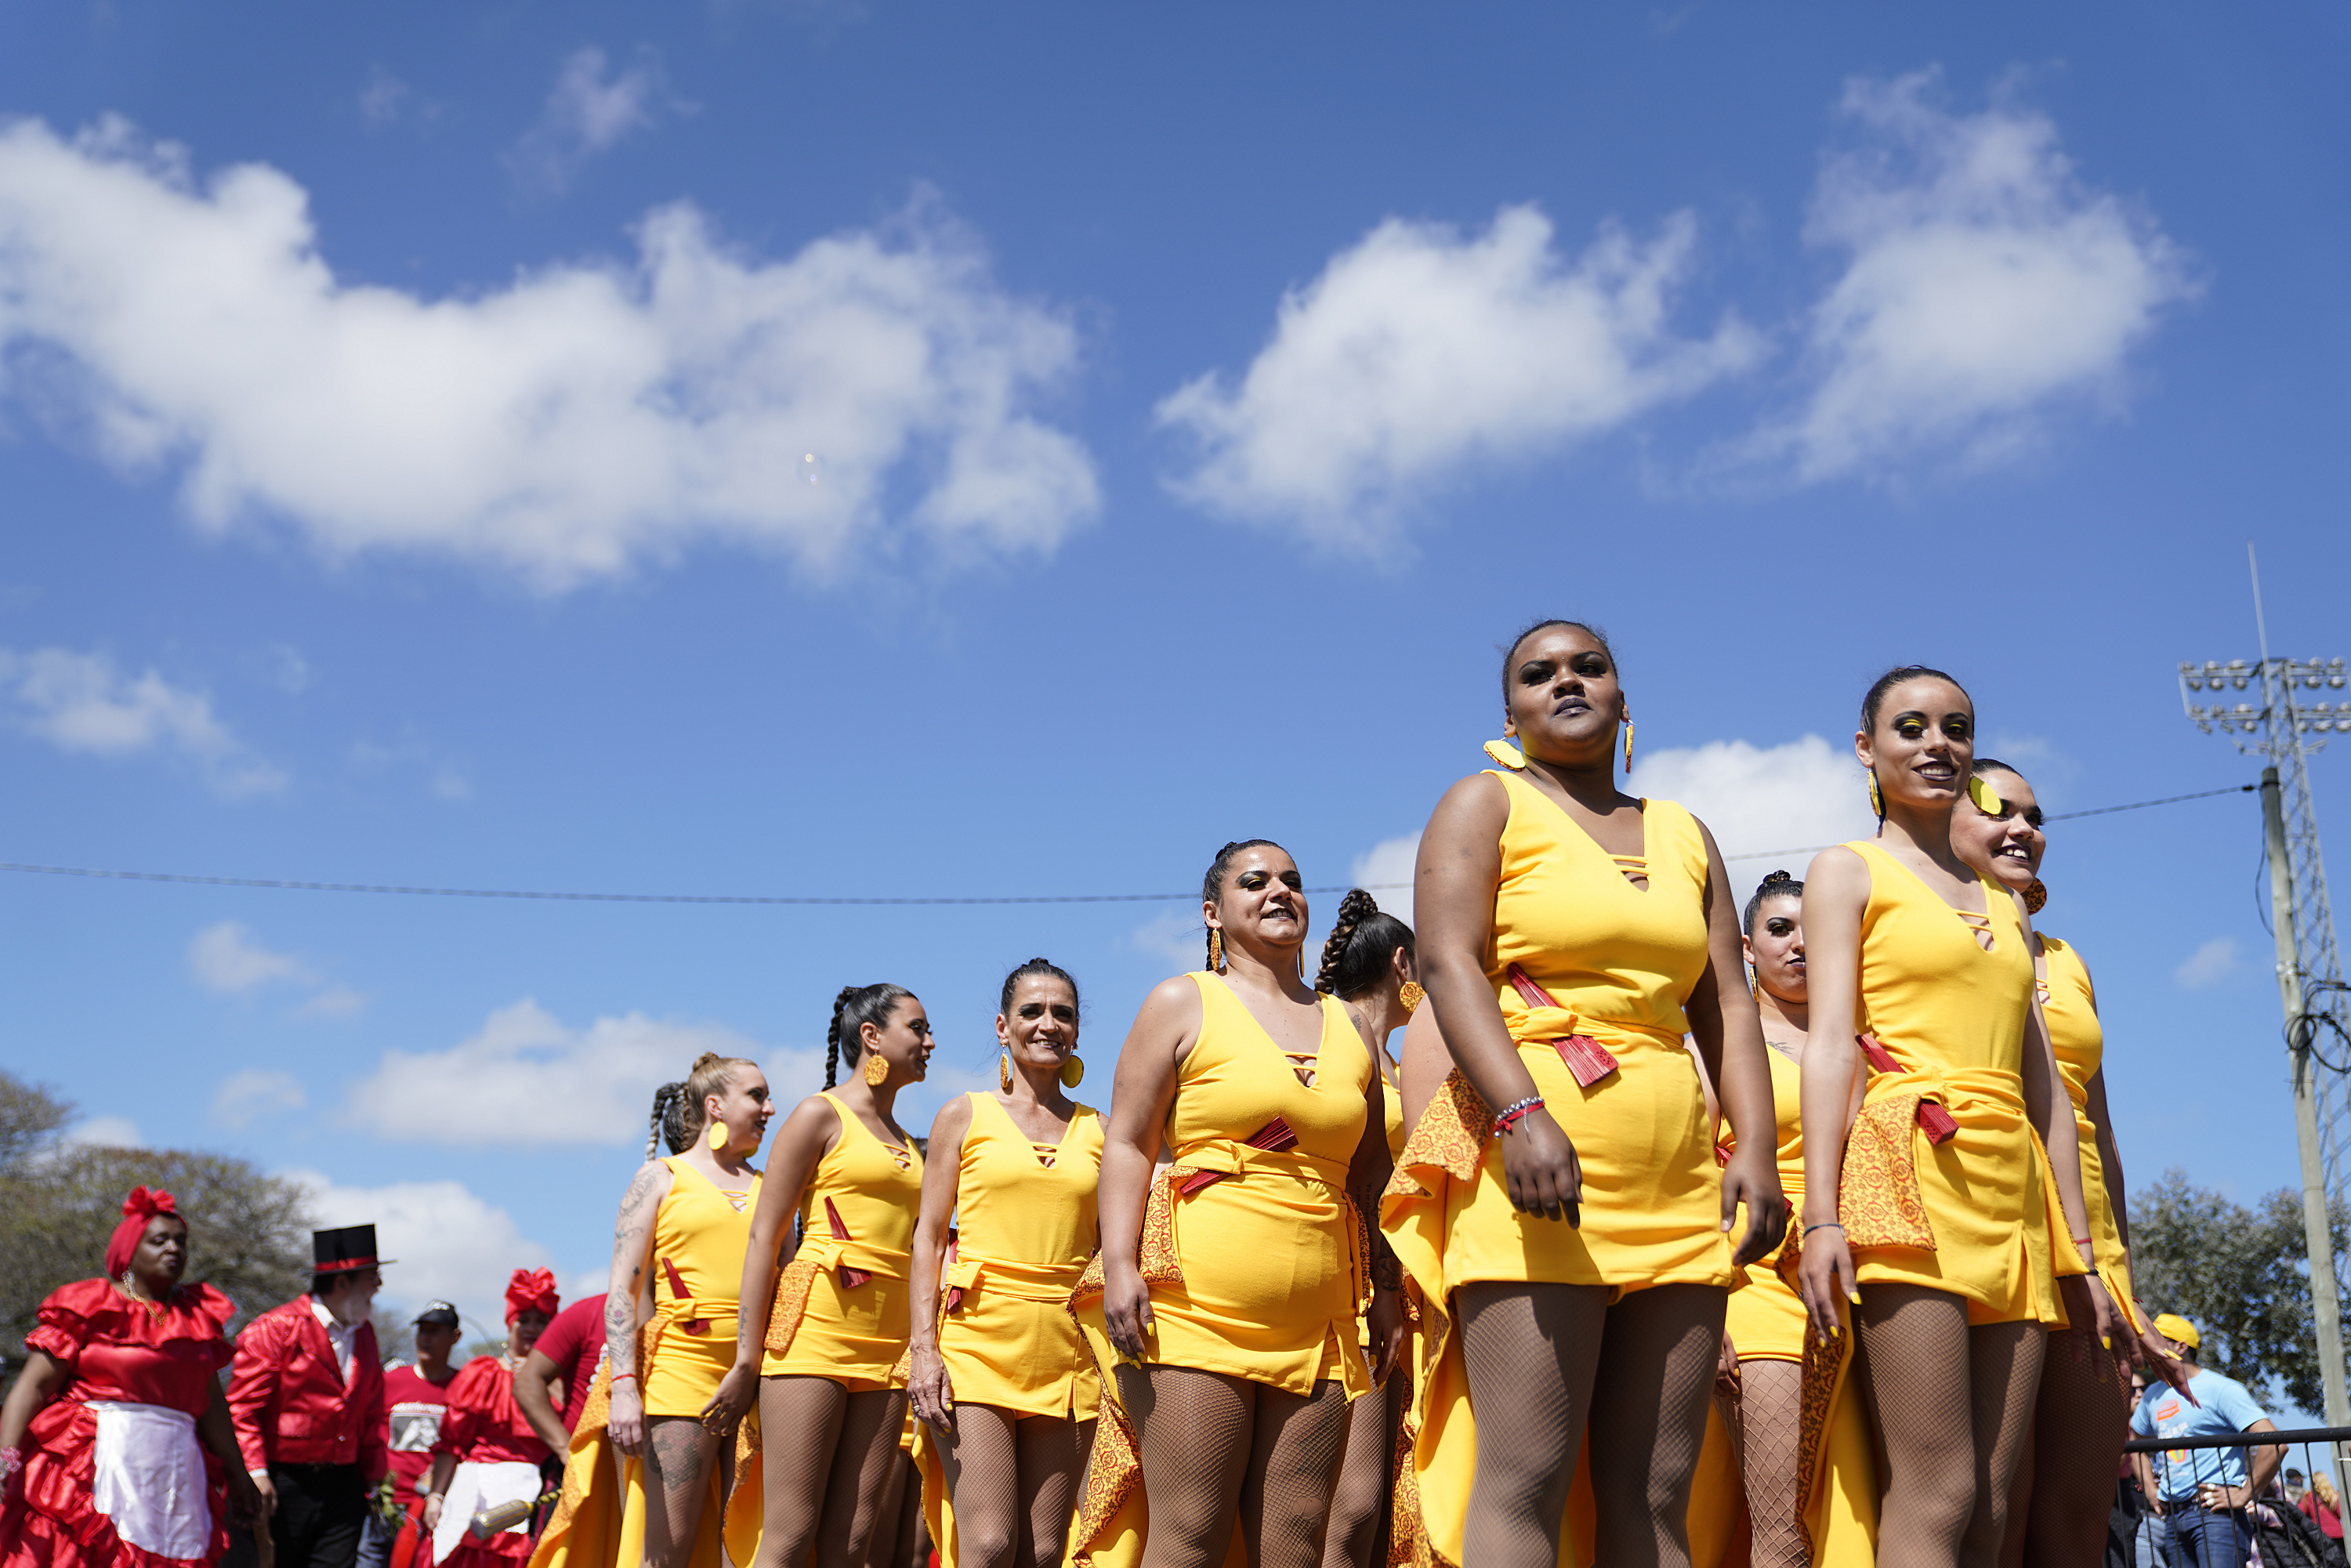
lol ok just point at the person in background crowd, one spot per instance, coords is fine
(2321, 1504)
(2291, 1482)
(2202, 1493)
(567, 1354)
(135, 1486)
(414, 1398)
(306, 1394)
(490, 1450)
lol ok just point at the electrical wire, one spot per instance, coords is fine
(287, 886)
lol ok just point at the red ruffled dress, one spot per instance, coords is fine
(498, 1458)
(142, 1376)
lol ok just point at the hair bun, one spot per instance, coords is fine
(1777, 876)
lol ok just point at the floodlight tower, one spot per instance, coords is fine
(2282, 706)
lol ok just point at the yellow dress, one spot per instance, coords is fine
(2070, 1005)
(1969, 1215)
(1259, 1273)
(1024, 1229)
(700, 1232)
(1765, 1317)
(1616, 962)
(841, 1304)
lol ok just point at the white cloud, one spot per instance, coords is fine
(254, 1092)
(1389, 862)
(574, 422)
(444, 1243)
(1177, 937)
(82, 702)
(589, 112)
(1804, 794)
(1986, 287)
(224, 957)
(591, 1085)
(2209, 965)
(1423, 350)
(386, 100)
(105, 1133)
(333, 1002)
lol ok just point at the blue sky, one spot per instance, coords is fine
(404, 436)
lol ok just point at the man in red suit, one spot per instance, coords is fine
(306, 1396)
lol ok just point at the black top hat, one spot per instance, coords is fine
(340, 1251)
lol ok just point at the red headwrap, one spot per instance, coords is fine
(531, 1289)
(140, 1208)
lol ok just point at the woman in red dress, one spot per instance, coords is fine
(118, 1425)
(490, 1453)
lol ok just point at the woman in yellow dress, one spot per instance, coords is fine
(1231, 1279)
(1932, 1215)
(1367, 964)
(2082, 1416)
(1001, 1379)
(669, 1325)
(1558, 1203)
(823, 1346)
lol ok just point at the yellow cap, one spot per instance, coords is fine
(2172, 1326)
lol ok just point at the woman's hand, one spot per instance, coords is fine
(2091, 1313)
(626, 1423)
(1386, 1320)
(1126, 1308)
(243, 1498)
(1825, 1278)
(1752, 1178)
(1540, 1168)
(732, 1401)
(928, 1382)
(433, 1502)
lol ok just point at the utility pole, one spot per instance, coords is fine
(2308, 963)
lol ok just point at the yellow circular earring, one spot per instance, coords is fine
(1004, 1072)
(1986, 798)
(718, 1136)
(1876, 799)
(876, 1070)
(1508, 755)
(2037, 897)
(1411, 995)
(1074, 1071)
(1217, 951)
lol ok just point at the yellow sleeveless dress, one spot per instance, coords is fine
(1765, 1317)
(1616, 961)
(700, 1232)
(857, 1217)
(2069, 1004)
(1024, 1229)
(1971, 1215)
(1261, 1273)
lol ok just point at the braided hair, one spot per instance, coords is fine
(668, 1125)
(852, 1009)
(1360, 952)
(1778, 885)
(1212, 886)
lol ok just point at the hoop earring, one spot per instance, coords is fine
(2037, 897)
(1876, 799)
(718, 1136)
(1217, 951)
(1074, 1071)
(1004, 1072)
(877, 1070)
(1410, 995)
(1628, 749)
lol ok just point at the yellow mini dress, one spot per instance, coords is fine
(2071, 1006)
(843, 1305)
(700, 1233)
(1972, 1214)
(1765, 1318)
(1616, 962)
(1255, 1257)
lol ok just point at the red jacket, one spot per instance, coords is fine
(288, 1401)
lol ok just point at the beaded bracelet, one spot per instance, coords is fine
(1516, 1111)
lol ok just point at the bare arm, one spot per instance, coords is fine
(1729, 1030)
(1837, 894)
(534, 1389)
(218, 1430)
(933, 1395)
(1460, 864)
(809, 1132)
(1421, 1065)
(2260, 1464)
(43, 1379)
(1163, 1032)
(2110, 1156)
(629, 1305)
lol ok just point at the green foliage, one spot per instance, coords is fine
(248, 1232)
(2240, 1275)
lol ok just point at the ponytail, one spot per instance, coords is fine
(1361, 950)
(665, 1122)
(852, 1009)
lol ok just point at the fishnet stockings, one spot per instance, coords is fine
(1359, 1507)
(1945, 1485)
(1548, 1362)
(1762, 1417)
(678, 1454)
(902, 1503)
(1014, 1483)
(1218, 1450)
(2066, 1480)
(827, 1462)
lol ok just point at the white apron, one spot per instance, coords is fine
(148, 1478)
(476, 1487)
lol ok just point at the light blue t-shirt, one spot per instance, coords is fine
(2224, 1407)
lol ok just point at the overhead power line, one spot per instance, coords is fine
(285, 885)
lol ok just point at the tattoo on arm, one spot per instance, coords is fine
(628, 1272)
